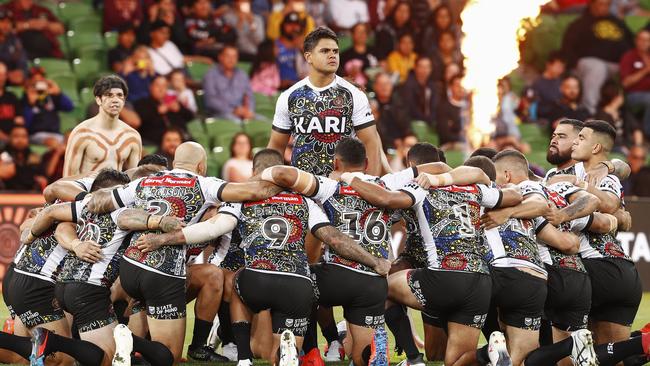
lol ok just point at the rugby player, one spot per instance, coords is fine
(158, 278)
(273, 232)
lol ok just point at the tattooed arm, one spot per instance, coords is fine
(249, 191)
(582, 204)
(66, 236)
(602, 223)
(138, 219)
(62, 212)
(347, 248)
(624, 219)
(381, 197)
(462, 175)
(102, 201)
(567, 243)
(532, 206)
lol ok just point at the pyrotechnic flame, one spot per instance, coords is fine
(492, 30)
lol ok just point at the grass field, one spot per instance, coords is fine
(642, 318)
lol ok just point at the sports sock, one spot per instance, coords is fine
(154, 352)
(84, 352)
(311, 337)
(613, 353)
(242, 334)
(120, 306)
(330, 333)
(225, 328)
(545, 333)
(365, 355)
(482, 356)
(398, 323)
(551, 354)
(18, 344)
(638, 360)
(201, 331)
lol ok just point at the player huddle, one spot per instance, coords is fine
(490, 248)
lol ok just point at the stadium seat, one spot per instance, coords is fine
(77, 41)
(68, 121)
(221, 131)
(216, 160)
(94, 52)
(77, 10)
(265, 105)
(54, 66)
(17, 90)
(636, 22)
(197, 131)
(345, 42)
(423, 132)
(68, 84)
(200, 103)
(86, 96)
(245, 67)
(197, 70)
(110, 39)
(88, 71)
(87, 24)
(259, 131)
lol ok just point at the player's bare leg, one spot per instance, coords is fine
(262, 336)
(169, 332)
(608, 332)
(521, 342)
(435, 342)
(102, 337)
(361, 339)
(461, 344)
(559, 335)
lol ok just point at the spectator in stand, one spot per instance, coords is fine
(447, 53)
(140, 78)
(345, 14)
(393, 123)
(42, 102)
(419, 92)
(452, 115)
(420, 15)
(165, 55)
(19, 166)
(166, 11)
(12, 52)
(358, 52)
(595, 43)
(569, 105)
(249, 27)
(391, 29)
(240, 165)
(289, 46)
(317, 10)
(178, 85)
(161, 111)
(120, 54)
(399, 162)
(439, 21)
(52, 161)
(171, 138)
(507, 134)
(635, 77)
(227, 89)
(402, 60)
(207, 31)
(274, 25)
(547, 87)
(610, 110)
(265, 75)
(37, 28)
(11, 111)
(118, 13)
(638, 183)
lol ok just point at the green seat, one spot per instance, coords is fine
(198, 70)
(54, 66)
(423, 132)
(68, 121)
(197, 131)
(63, 43)
(68, 84)
(245, 67)
(221, 131)
(216, 160)
(636, 22)
(644, 4)
(259, 131)
(38, 149)
(265, 105)
(87, 24)
(86, 97)
(88, 71)
(17, 90)
(345, 42)
(77, 10)
(77, 41)
(94, 52)
(110, 39)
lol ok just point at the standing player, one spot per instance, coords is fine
(321, 109)
(616, 288)
(104, 140)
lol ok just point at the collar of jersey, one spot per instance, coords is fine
(336, 80)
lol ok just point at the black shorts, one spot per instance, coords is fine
(290, 298)
(519, 296)
(568, 300)
(362, 296)
(615, 290)
(90, 305)
(458, 297)
(30, 298)
(163, 296)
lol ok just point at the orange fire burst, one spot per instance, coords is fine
(492, 30)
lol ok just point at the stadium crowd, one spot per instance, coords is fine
(406, 54)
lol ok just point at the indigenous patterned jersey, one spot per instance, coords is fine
(233, 258)
(578, 169)
(449, 222)
(516, 243)
(273, 231)
(178, 193)
(41, 257)
(352, 215)
(103, 230)
(604, 245)
(558, 194)
(414, 245)
(318, 118)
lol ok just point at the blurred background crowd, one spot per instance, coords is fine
(211, 70)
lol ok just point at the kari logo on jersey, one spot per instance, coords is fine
(327, 124)
(292, 199)
(168, 181)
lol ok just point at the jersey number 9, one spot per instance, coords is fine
(276, 229)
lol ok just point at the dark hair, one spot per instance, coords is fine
(158, 24)
(226, 46)
(266, 158)
(234, 139)
(423, 153)
(155, 159)
(316, 35)
(511, 154)
(555, 56)
(483, 163)
(16, 126)
(354, 27)
(443, 32)
(405, 34)
(391, 16)
(145, 171)
(488, 152)
(572, 76)
(434, 15)
(107, 178)
(265, 54)
(608, 92)
(603, 128)
(351, 151)
(108, 82)
(576, 123)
